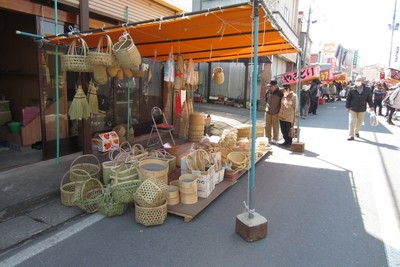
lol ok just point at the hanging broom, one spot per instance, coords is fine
(93, 101)
(79, 108)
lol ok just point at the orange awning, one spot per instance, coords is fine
(220, 34)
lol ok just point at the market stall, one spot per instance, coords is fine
(141, 175)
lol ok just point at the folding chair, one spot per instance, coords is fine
(161, 127)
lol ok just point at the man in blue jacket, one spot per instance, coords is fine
(356, 104)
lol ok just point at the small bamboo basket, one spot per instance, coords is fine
(98, 57)
(218, 75)
(70, 192)
(89, 164)
(124, 192)
(109, 207)
(126, 51)
(149, 216)
(73, 61)
(188, 183)
(151, 193)
(91, 194)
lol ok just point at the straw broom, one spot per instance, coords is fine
(79, 108)
(93, 101)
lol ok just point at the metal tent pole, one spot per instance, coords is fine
(57, 87)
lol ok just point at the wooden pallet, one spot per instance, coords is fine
(188, 212)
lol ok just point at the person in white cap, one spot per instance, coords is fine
(356, 105)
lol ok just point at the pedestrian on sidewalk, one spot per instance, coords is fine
(394, 103)
(305, 98)
(356, 105)
(287, 114)
(273, 98)
(379, 93)
(315, 93)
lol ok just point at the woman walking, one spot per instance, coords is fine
(287, 114)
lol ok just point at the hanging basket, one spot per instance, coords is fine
(127, 53)
(218, 75)
(70, 192)
(98, 57)
(149, 216)
(151, 193)
(73, 61)
(91, 194)
(88, 163)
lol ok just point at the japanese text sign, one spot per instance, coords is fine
(325, 75)
(340, 77)
(305, 74)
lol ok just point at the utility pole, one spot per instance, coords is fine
(393, 27)
(306, 40)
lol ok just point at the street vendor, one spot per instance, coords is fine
(273, 98)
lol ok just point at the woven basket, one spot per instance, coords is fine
(124, 192)
(196, 128)
(91, 195)
(237, 157)
(173, 191)
(196, 119)
(88, 163)
(151, 193)
(127, 53)
(188, 183)
(156, 168)
(109, 207)
(151, 215)
(70, 192)
(189, 198)
(164, 156)
(218, 75)
(73, 61)
(98, 57)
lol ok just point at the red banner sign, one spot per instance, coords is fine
(393, 74)
(305, 74)
(340, 77)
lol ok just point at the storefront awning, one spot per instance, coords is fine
(217, 34)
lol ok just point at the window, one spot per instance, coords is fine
(286, 14)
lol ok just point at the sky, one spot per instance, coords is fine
(355, 24)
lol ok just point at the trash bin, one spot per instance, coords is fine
(15, 127)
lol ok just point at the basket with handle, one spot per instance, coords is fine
(149, 216)
(88, 163)
(70, 192)
(108, 165)
(124, 191)
(109, 207)
(90, 195)
(151, 193)
(100, 57)
(162, 154)
(126, 51)
(73, 61)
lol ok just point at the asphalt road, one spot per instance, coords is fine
(336, 204)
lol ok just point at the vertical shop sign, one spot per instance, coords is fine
(355, 58)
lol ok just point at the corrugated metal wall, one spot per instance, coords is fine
(139, 10)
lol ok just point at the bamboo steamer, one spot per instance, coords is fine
(196, 133)
(174, 183)
(154, 168)
(188, 184)
(189, 198)
(173, 195)
(199, 128)
(244, 131)
(173, 201)
(196, 119)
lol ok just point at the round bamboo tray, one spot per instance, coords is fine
(189, 198)
(151, 215)
(237, 157)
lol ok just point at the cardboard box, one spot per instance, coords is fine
(205, 181)
(105, 142)
(219, 176)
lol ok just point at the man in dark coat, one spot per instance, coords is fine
(356, 104)
(314, 93)
(273, 98)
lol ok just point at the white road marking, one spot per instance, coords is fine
(51, 241)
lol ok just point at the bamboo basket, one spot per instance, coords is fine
(188, 184)
(98, 57)
(151, 193)
(91, 194)
(237, 157)
(73, 61)
(218, 75)
(173, 191)
(124, 192)
(109, 207)
(70, 192)
(127, 53)
(196, 119)
(189, 198)
(93, 168)
(149, 216)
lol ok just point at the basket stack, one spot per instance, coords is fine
(151, 202)
(154, 168)
(188, 189)
(173, 195)
(196, 127)
(244, 131)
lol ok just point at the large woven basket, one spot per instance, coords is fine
(88, 163)
(91, 195)
(156, 168)
(149, 216)
(124, 192)
(74, 61)
(127, 53)
(109, 207)
(196, 119)
(70, 192)
(100, 57)
(237, 157)
(151, 193)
